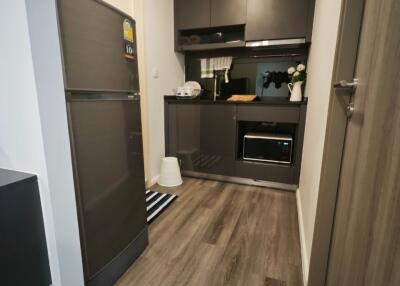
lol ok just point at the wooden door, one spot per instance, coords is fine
(366, 240)
(344, 69)
(228, 12)
(277, 19)
(365, 245)
(192, 14)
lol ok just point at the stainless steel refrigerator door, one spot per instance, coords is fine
(94, 48)
(109, 175)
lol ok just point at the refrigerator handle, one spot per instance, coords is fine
(134, 96)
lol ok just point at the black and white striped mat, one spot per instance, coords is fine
(157, 203)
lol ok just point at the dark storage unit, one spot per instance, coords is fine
(279, 19)
(218, 127)
(201, 137)
(24, 259)
(268, 113)
(207, 137)
(192, 14)
(103, 101)
(196, 14)
(228, 12)
(262, 20)
(185, 135)
(93, 48)
(213, 38)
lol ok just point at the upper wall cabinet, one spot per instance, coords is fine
(228, 12)
(279, 19)
(192, 14)
(221, 24)
(196, 14)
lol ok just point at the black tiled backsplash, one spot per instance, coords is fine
(246, 77)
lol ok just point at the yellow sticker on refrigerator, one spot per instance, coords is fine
(128, 30)
(129, 40)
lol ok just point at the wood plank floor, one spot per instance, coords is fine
(218, 234)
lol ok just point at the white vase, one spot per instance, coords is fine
(295, 91)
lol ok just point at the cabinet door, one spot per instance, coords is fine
(183, 135)
(192, 14)
(217, 139)
(202, 137)
(277, 19)
(228, 12)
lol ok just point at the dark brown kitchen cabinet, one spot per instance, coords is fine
(228, 12)
(279, 19)
(207, 138)
(218, 128)
(196, 14)
(183, 134)
(200, 136)
(192, 14)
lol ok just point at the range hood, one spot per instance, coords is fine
(281, 42)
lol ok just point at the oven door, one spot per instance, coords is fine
(267, 149)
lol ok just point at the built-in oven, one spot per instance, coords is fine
(267, 147)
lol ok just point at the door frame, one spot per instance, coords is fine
(351, 16)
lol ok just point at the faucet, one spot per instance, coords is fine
(215, 86)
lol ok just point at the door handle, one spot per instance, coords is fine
(135, 96)
(344, 84)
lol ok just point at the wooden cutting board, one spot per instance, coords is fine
(241, 98)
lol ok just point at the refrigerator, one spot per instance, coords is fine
(103, 104)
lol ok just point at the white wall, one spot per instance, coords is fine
(163, 70)
(155, 34)
(33, 126)
(125, 6)
(319, 82)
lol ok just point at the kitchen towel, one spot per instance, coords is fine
(208, 66)
(223, 64)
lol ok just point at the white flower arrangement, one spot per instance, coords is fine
(291, 70)
(297, 74)
(301, 67)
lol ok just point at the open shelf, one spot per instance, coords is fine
(213, 46)
(211, 38)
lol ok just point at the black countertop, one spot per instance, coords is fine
(208, 100)
(8, 177)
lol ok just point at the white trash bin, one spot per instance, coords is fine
(170, 174)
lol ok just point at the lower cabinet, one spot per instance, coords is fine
(201, 137)
(217, 144)
(208, 138)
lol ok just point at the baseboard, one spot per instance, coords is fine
(242, 181)
(151, 182)
(304, 257)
